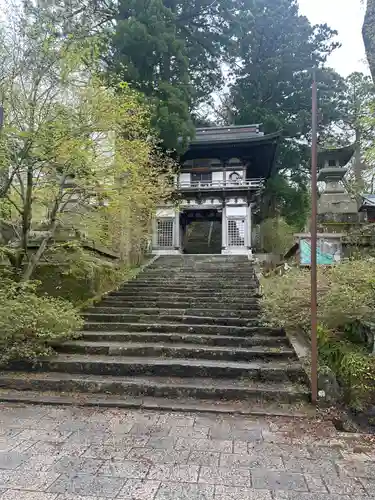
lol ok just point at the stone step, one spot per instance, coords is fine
(222, 266)
(226, 303)
(196, 284)
(77, 386)
(181, 282)
(234, 272)
(170, 318)
(171, 367)
(199, 259)
(249, 276)
(203, 264)
(203, 259)
(184, 351)
(193, 265)
(231, 275)
(157, 311)
(207, 271)
(175, 338)
(185, 284)
(188, 291)
(235, 331)
(252, 407)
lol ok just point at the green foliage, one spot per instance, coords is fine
(289, 197)
(29, 323)
(144, 46)
(345, 296)
(277, 236)
(173, 51)
(83, 155)
(286, 299)
(369, 35)
(273, 87)
(361, 238)
(353, 366)
(79, 275)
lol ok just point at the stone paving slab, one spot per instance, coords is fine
(185, 491)
(87, 484)
(27, 495)
(139, 489)
(230, 493)
(67, 453)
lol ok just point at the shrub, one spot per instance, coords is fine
(346, 298)
(346, 294)
(29, 324)
(277, 236)
(354, 368)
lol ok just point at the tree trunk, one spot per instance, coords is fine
(369, 35)
(38, 255)
(27, 212)
(358, 165)
(33, 262)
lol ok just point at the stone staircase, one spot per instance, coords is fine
(185, 333)
(203, 237)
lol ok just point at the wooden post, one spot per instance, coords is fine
(314, 239)
(224, 238)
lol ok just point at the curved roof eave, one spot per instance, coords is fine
(256, 139)
(343, 154)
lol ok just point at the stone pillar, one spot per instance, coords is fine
(225, 164)
(154, 233)
(177, 233)
(248, 227)
(224, 238)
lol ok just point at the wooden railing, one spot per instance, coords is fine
(212, 185)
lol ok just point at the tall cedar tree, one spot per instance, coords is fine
(273, 87)
(369, 35)
(173, 51)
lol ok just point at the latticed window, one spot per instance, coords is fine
(201, 177)
(236, 232)
(165, 233)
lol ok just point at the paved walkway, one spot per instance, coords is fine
(63, 453)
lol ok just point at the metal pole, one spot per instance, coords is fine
(314, 239)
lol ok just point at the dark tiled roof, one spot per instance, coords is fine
(226, 134)
(368, 200)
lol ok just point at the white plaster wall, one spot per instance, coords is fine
(217, 176)
(165, 212)
(185, 178)
(166, 252)
(236, 211)
(238, 251)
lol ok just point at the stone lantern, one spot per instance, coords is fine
(337, 209)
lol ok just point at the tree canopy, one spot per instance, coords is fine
(272, 78)
(173, 51)
(369, 35)
(74, 152)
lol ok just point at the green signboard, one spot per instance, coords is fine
(328, 251)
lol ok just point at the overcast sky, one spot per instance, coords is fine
(346, 16)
